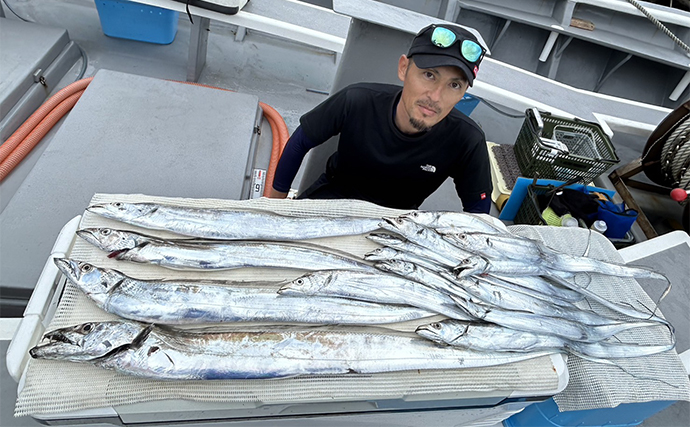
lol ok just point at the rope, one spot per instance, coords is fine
(676, 152)
(661, 26)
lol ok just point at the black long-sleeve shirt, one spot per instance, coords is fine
(375, 161)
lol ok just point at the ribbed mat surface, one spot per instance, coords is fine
(54, 387)
(631, 380)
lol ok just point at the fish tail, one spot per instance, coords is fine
(584, 264)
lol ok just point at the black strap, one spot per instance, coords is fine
(188, 13)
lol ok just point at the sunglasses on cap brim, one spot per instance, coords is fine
(445, 38)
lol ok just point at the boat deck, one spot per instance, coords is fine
(294, 77)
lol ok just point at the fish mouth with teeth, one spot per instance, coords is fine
(52, 337)
(57, 336)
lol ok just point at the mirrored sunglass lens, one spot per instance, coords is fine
(443, 37)
(471, 50)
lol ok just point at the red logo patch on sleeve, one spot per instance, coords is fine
(483, 196)
(475, 71)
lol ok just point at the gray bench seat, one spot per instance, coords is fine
(617, 25)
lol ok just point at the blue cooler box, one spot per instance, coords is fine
(134, 21)
(546, 414)
(467, 104)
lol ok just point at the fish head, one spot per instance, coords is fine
(465, 242)
(381, 254)
(110, 240)
(431, 331)
(122, 211)
(462, 239)
(426, 218)
(403, 226)
(87, 341)
(394, 224)
(403, 268)
(383, 238)
(95, 282)
(446, 331)
(471, 265)
(309, 284)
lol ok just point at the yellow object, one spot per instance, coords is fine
(550, 217)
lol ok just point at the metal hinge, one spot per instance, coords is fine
(38, 77)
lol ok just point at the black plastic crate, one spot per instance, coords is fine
(554, 147)
(529, 212)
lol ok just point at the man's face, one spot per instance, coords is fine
(428, 95)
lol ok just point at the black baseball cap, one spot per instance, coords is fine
(426, 54)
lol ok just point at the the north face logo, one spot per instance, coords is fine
(429, 168)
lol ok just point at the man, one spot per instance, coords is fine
(398, 145)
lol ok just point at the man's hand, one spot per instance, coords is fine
(275, 194)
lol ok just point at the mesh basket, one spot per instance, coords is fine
(559, 148)
(529, 212)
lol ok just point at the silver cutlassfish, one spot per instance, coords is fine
(386, 254)
(164, 354)
(196, 302)
(227, 224)
(445, 222)
(402, 245)
(215, 255)
(540, 324)
(374, 287)
(493, 338)
(425, 237)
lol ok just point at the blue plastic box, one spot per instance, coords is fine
(546, 414)
(134, 21)
(467, 104)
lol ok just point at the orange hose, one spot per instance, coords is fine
(29, 124)
(35, 136)
(278, 146)
(279, 133)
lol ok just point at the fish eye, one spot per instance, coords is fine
(117, 204)
(105, 231)
(299, 281)
(399, 220)
(87, 327)
(86, 268)
(436, 325)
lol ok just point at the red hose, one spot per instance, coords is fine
(279, 133)
(29, 124)
(34, 137)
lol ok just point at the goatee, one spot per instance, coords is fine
(419, 125)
